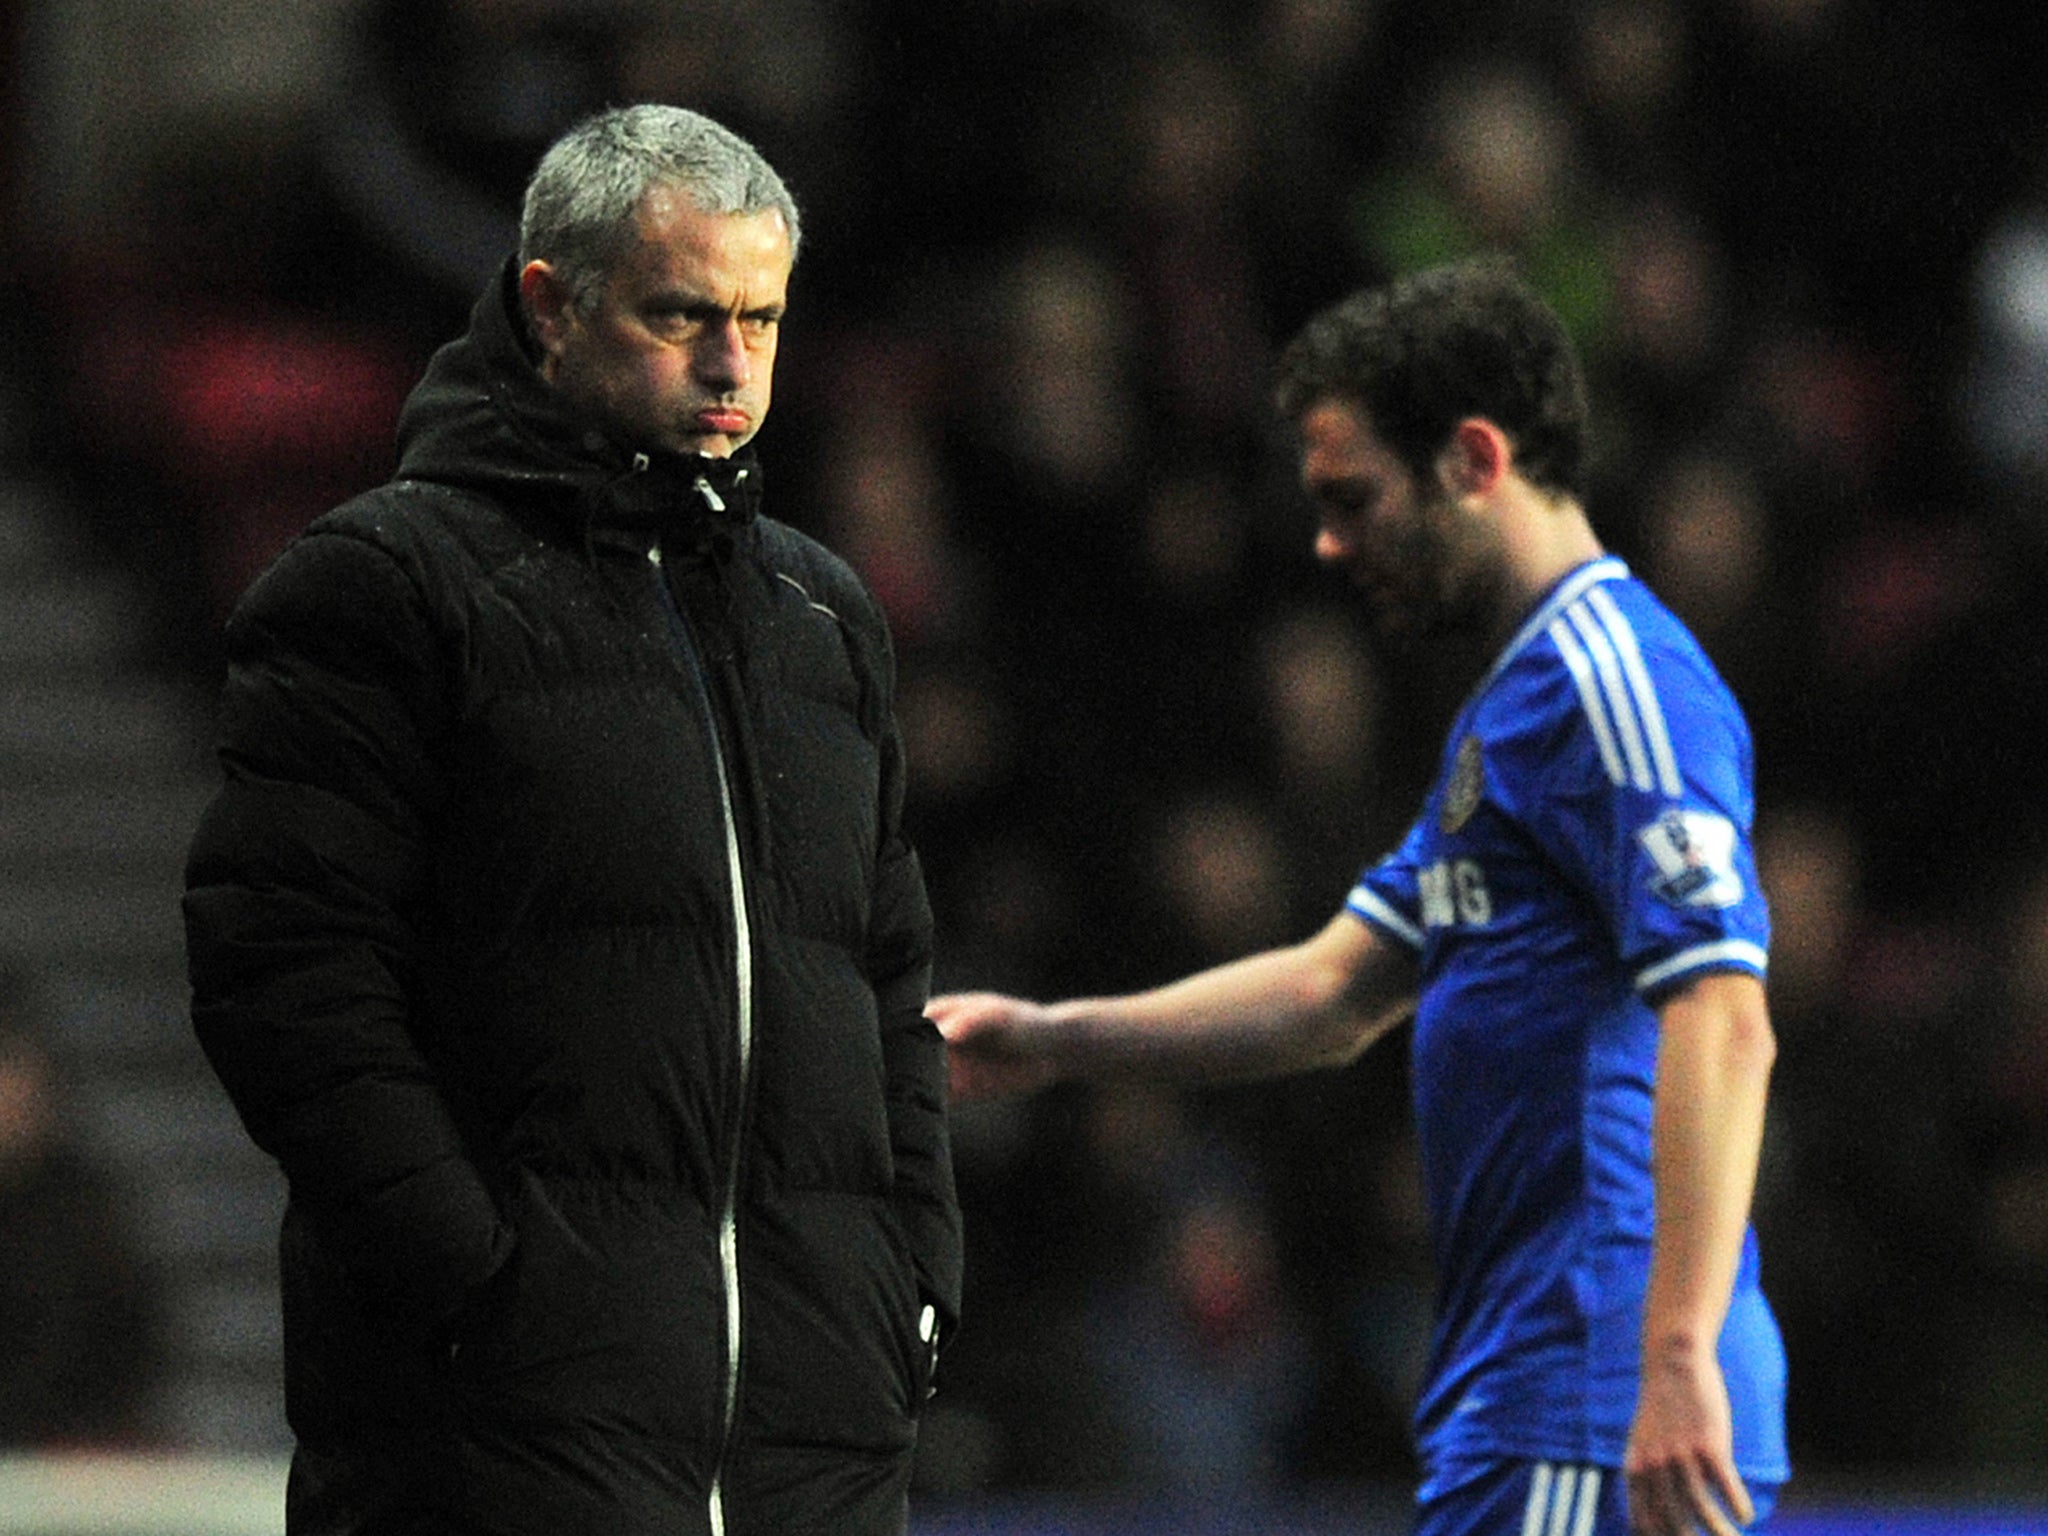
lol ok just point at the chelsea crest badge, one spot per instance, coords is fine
(1467, 783)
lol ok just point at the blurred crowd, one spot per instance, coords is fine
(1051, 249)
(78, 1315)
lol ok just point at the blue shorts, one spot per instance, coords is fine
(1547, 1498)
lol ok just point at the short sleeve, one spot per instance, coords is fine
(1388, 894)
(1649, 802)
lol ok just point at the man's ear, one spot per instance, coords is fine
(1476, 459)
(546, 299)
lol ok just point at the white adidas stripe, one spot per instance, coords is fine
(1562, 1501)
(1614, 691)
(1539, 1499)
(1581, 667)
(1655, 731)
(1726, 951)
(1367, 904)
(1589, 1502)
(1599, 649)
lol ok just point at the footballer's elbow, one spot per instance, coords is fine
(1344, 1018)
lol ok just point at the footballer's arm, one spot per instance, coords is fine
(1714, 1060)
(1318, 1003)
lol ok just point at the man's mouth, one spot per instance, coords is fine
(721, 419)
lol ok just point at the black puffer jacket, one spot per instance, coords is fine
(555, 931)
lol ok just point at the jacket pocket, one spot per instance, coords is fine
(610, 1310)
(833, 1353)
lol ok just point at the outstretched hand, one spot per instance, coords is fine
(994, 1043)
(1681, 1460)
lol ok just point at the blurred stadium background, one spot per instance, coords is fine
(1051, 247)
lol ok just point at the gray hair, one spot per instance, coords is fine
(585, 194)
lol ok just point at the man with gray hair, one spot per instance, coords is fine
(555, 929)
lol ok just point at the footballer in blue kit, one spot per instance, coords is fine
(1573, 925)
(1583, 851)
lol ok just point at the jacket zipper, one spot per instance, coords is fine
(743, 963)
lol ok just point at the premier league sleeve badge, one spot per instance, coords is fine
(1694, 852)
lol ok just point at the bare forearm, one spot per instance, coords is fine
(1314, 1004)
(1713, 1074)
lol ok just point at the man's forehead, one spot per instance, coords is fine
(663, 210)
(669, 229)
(1336, 430)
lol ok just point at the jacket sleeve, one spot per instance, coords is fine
(299, 883)
(913, 1052)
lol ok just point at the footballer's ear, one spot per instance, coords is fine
(1476, 459)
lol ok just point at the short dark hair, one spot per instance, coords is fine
(1428, 350)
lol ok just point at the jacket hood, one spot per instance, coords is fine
(482, 417)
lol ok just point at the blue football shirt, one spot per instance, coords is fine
(1584, 850)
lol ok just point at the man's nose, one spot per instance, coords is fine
(1331, 546)
(721, 355)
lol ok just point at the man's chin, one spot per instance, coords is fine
(703, 445)
(1409, 627)
(1397, 631)
(1395, 621)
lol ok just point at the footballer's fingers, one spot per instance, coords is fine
(983, 1022)
(1649, 1513)
(956, 1012)
(1655, 1505)
(1674, 1499)
(1702, 1509)
(1733, 1495)
(989, 1046)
